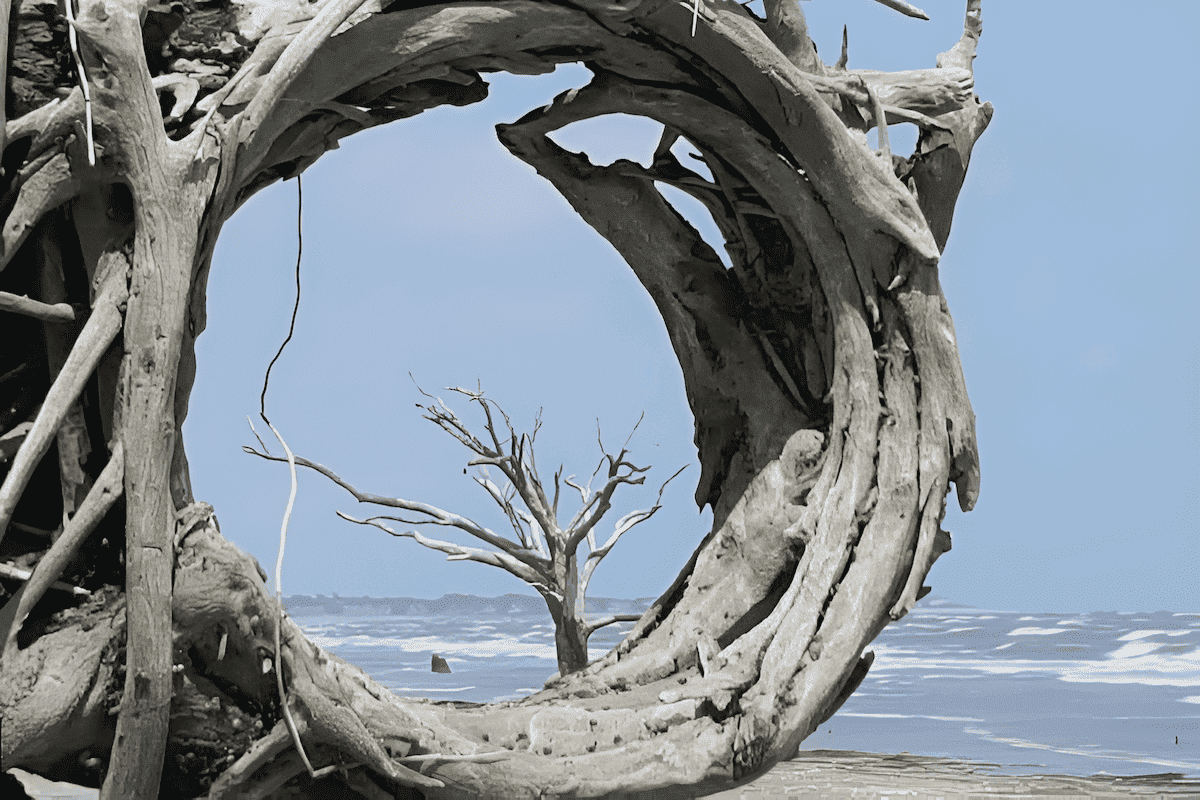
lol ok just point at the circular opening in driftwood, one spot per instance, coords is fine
(549, 318)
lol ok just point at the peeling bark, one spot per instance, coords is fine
(821, 369)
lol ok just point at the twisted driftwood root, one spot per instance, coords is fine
(822, 371)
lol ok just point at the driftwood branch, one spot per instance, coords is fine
(15, 573)
(611, 619)
(97, 334)
(50, 312)
(99, 500)
(52, 184)
(171, 192)
(906, 9)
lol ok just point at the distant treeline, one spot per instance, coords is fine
(449, 605)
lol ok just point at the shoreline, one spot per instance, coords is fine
(838, 774)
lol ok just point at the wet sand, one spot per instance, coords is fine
(838, 774)
(842, 774)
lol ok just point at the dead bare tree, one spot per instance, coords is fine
(822, 371)
(545, 553)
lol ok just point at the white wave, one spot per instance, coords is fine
(1175, 669)
(1115, 755)
(1033, 631)
(503, 645)
(1150, 670)
(882, 649)
(907, 716)
(425, 689)
(1135, 649)
(500, 645)
(1191, 699)
(959, 677)
(965, 614)
(1133, 636)
(324, 642)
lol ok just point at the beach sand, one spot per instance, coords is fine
(843, 774)
(838, 774)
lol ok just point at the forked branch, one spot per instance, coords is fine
(544, 553)
(432, 514)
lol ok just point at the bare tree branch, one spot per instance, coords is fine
(545, 554)
(604, 496)
(537, 535)
(521, 473)
(611, 619)
(436, 515)
(623, 525)
(503, 498)
(457, 552)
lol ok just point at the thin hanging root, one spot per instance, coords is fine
(287, 515)
(99, 500)
(695, 9)
(99, 332)
(73, 39)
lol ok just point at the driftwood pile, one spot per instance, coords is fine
(822, 371)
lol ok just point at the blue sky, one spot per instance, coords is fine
(428, 249)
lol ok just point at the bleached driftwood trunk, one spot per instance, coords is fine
(822, 371)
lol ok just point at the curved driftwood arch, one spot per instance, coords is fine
(822, 370)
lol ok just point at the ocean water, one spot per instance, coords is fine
(1080, 694)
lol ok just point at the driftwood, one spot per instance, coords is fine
(822, 372)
